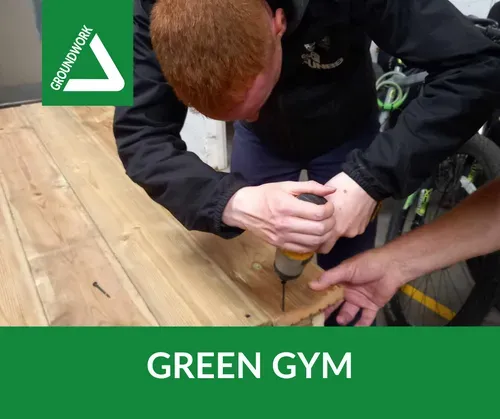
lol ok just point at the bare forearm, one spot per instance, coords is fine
(471, 229)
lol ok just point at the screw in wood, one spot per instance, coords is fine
(95, 284)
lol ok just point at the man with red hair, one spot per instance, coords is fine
(296, 77)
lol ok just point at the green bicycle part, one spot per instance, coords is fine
(401, 96)
(423, 201)
(409, 201)
(473, 172)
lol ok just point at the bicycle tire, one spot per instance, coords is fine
(485, 294)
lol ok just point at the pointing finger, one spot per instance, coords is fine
(334, 276)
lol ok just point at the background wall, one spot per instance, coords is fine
(207, 139)
(479, 8)
(20, 51)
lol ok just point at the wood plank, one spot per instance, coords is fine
(66, 279)
(313, 310)
(64, 248)
(246, 259)
(182, 276)
(19, 301)
(48, 215)
(98, 119)
(179, 283)
(250, 262)
(98, 114)
(11, 119)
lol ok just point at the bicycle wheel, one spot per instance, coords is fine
(462, 294)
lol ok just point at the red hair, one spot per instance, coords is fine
(211, 51)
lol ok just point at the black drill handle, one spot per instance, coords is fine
(313, 199)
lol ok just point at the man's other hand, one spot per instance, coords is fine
(370, 279)
(273, 212)
(354, 209)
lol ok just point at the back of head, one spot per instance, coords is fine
(211, 51)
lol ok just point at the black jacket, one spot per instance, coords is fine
(325, 92)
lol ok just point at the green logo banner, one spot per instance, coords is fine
(248, 372)
(87, 53)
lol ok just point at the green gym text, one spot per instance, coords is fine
(231, 365)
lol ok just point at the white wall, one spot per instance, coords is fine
(479, 8)
(206, 138)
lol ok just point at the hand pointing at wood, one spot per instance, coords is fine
(369, 280)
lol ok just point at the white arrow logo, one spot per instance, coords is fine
(114, 81)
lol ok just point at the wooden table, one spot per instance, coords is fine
(70, 217)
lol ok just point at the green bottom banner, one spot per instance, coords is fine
(249, 372)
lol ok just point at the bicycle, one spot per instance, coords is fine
(474, 164)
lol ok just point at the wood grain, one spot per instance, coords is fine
(11, 119)
(63, 247)
(86, 208)
(47, 214)
(98, 120)
(250, 264)
(65, 280)
(179, 283)
(19, 301)
(331, 297)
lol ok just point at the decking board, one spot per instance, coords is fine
(63, 247)
(81, 219)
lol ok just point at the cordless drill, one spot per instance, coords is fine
(290, 265)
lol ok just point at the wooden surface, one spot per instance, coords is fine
(70, 217)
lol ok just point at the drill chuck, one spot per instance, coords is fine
(290, 266)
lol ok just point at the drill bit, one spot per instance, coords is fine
(283, 283)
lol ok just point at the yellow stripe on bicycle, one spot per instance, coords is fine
(429, 302)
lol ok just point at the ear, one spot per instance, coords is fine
(280, 22)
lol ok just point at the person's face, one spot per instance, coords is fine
(264, 84)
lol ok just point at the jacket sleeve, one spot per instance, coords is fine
(155, 157)
(460, 94)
